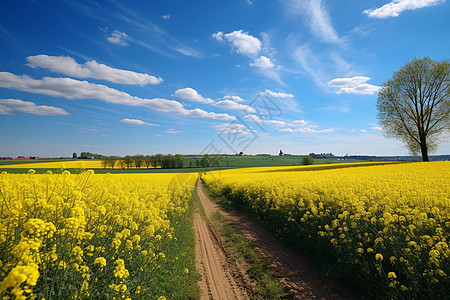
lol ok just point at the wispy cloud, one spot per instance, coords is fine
(376, 128)
(137, 122)
(278, 94)
(232, 128)
(10, 106)
(319, 21)
(74, 89)
(191, 95)
(354, 85)
(119, 38)
(173, 131)
(165, 17)
(396, 7)
(146, 34)
(91, 69)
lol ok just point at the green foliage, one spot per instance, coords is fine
(414, 105)
(308, 160)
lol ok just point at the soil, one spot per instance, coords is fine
(221, 279)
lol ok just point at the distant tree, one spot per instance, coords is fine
(122, 163)
(74, 155)
(111, 161)
(414, 105)
(148, 161)
(104, 162)
(159, 158)
(138, 161)
(191, 163)
(308, 160)
(154, 160)
(198, 163)
(179, 161)
(128, 161)
(206, 161)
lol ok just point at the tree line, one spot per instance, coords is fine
(168, 161)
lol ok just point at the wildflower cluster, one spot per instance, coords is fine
(383, 228)
(89, 235)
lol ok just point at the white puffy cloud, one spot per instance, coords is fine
(228, 104)
(119, 38)
(396, 7)
(232, 128)
(354, 85)
(278, 94)
(296, 123)
(9, 106)
(137, 122)
(363, 130)
(90, 69)
(234, 98)
(191, 95)
(376, 128)
(303, 126)
(243, 42)
(74, 89)
(263, 63)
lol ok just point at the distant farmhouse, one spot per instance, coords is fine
(29, 157)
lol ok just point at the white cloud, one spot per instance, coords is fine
(307, 130)
(353, 85)
(173, 131)
(296, 123)
(243, 42)
(228, 104)
(363, 130)
(119, 38)
(9, 106)
(165, 17)
(261, 122)
(319, 20)
(396, 7)
(278, 94)
(263, 63)
(191, 95)
(232, 128)
(234, 98)
(376, 128)
(136, 122)
(218, 36)
(74, 89)
(303, 126)
(90, 69)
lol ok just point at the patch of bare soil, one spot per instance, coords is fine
(294, 272)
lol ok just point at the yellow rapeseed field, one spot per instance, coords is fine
(383, 228)
(65, 236)
(71, 164)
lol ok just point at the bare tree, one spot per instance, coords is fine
(414, 105)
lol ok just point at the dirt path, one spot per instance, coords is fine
(219, 278)
(293, 271)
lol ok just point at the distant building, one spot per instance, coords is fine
(22, 157)
(281, 153)
(34, 157)
(6, 157)
(241, 153)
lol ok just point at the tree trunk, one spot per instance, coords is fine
(424, 149)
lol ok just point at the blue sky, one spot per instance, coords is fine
(118, 78)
